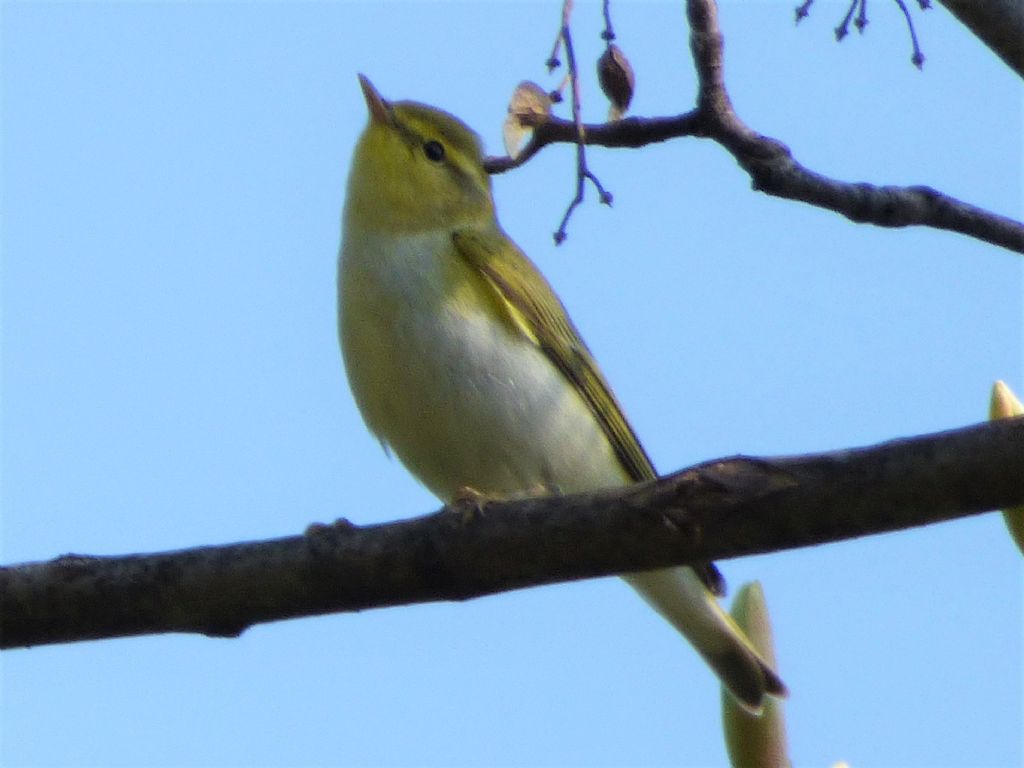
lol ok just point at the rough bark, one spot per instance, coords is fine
(720, 509)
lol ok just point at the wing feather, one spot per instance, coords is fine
(532, 308)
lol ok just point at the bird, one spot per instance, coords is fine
(464, 363)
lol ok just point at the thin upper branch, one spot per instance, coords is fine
(720, 509)
(770, 163)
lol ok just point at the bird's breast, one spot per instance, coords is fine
(462, 398)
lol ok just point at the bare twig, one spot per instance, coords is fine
(553, 62)
(860, 7)
(844, 26)
(563, 41)
(720, 509)
(608, 33)
(770, 163)
(583, 173)
(917, 58)
(861, 22)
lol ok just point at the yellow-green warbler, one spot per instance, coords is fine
(463, 361)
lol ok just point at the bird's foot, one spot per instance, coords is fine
(468, 503)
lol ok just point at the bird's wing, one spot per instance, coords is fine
(532, 309)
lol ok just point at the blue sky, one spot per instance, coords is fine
(172, 177)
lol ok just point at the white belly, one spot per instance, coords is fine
(462, 400)
(467, 403)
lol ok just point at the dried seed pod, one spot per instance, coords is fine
(529, 107)
(615, 74)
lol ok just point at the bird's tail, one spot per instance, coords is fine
(679, 596)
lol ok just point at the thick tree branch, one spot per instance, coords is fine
(997, 23)
(770, 163)
(720, 509)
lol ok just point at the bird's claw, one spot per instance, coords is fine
(468, 503)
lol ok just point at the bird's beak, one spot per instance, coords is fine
(378, 108)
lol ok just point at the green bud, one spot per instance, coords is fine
(1004, 405)
(754, 741)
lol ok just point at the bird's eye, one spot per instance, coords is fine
(434, 150)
